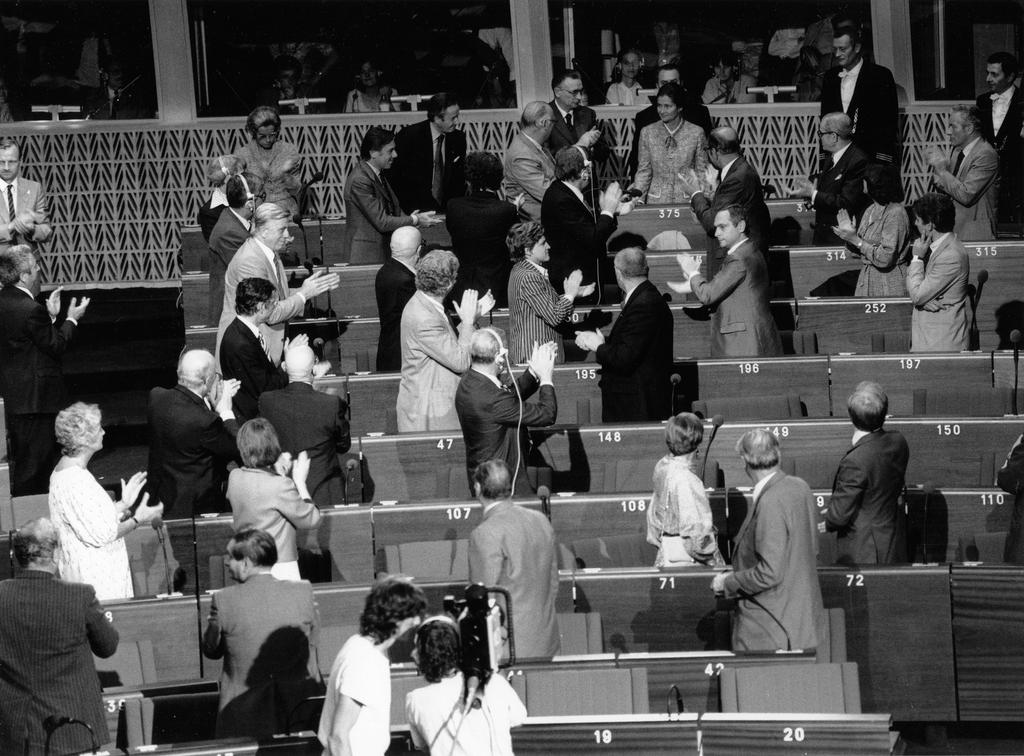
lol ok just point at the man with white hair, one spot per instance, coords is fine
(192, 438)
(394, 286)
(260, 257)
(529, 166)
(312, 421)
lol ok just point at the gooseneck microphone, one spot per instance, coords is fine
(927, 488)
(675, 380)
(350, 474)
(1015, 340)
(716, 423)
(544, 494)
(318, 349)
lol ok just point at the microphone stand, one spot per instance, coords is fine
(1016, 371)
(198, 594)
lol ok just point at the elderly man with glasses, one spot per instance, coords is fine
(574, 124)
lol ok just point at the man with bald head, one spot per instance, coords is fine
(840, 180)
(636, 357)
(192, 438)
(312, 421)
(394, 286)
(529, 165)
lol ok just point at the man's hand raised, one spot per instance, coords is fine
(542, 361)
(318, 283)
(77, 309)
(467, 308)
(609, 200)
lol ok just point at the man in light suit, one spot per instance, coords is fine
(229, 233)
(311, 421)
(260, 257)
(774, 572)
(529, 166)
(433, 355)
(491, 412)
(31, 381)
(265, 630)
(938, 288)
(49, 631)
(741, 321)
(969, 174)
(636, 358)
(429, 166)
(865, 508)
(514, 548)
(840, 183)
(393, 287)
(372, 211)
(24, 206)
(1002, 117)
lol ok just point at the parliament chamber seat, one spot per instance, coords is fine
(966, 401)
(812, 689)
(758, 407)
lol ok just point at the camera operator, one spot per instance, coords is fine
(435, 711)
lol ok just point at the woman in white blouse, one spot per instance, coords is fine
(92, 526)
(624, 91)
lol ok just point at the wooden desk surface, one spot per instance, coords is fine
(845, 324)
(833, 734)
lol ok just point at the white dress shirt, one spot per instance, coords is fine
(848, 83)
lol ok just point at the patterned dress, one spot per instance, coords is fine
(884, 250)
(663, 155)
(679, 505)
(278, 170)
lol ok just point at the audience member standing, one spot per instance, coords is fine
(774, 574)
(311, 421)
(31, 383)
(260, 257)
(229, 233)
(429, 167)
(866, 507)
(866, 93)
(636, 358)
(433, 354)
(49, 631)
(969, 174)
(574, 123)
(275, 164)
(219, 170)
(24, 208)
(693, 112)
(514, 548)
(191, 438)
(1001, 110)
(938, 288)
(478, 225)
(372, 212)
(1010, 478)
(528, 165)
(265, 631)
(394, 286)
(840, 184)
(738, 294)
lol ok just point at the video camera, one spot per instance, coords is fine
(487, 642)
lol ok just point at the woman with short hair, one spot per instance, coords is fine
(262, 496)
(91, 526)
(274, 164)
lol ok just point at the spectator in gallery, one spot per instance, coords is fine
(624, 91)
(727, 84)
(882, 239)
(666, 148)
(218, 171)
(1002, 111)
(370, 94)
(274, 163)
(289, 85)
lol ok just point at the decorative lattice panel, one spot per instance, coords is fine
(119, 198)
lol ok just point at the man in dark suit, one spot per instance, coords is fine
(774, 564)
(514, 548)
(31, 383)
(489, 411)
(840, 183)
(865, 510)
(741, 323)
(192, 438)
(693, 111)
(243, 351)
(49, 631)
(372, 210)
(394, 286)
(429, 165)
(578, 240)
(636, 358)
(265, 630)
(1010, 478)
(229, 233)
(478, 225)
(311, 421)
(574, 124)
(1002, 112)
(866, 93)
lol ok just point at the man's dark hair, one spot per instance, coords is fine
(14, 261)
(671, 67)
(937, 209)
(7, 143)
(439, 103)
(737, 213)
(569, 163)
(438, 649)
(237, 191)
(251, 293)
(495, 479)
(483, 171)
(565, 73)
(1006, 61)
(391, 601)
(374, 140)
(626, 239)
(256, 545)
(848, 26)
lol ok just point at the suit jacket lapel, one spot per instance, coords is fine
(1015, 105)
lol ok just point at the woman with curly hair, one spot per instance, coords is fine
(356, 717)
(91, 526)
(275, 164)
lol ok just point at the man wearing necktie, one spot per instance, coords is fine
(528, 164)
(969, 174)
(428, 169)
(1002, 116)
(24, 213)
